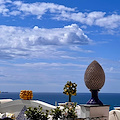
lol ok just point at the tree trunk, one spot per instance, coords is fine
(70, 98)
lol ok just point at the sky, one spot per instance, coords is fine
(45, 43)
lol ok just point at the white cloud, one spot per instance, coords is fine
(40, 8)
(111, 69)
(5, 1)
(7, 7)
(96, 18)
(3, 10)
(93, 16)
(112, 21)
(2, 1)
(18, 41)
(59, 12)
(76, 48)
(84, 18)
(17, 37)
(50, 65)
(43, 74)
(15, 13)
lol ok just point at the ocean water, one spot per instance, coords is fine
(112, 99)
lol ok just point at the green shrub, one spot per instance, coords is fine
(36, 113)
(65, 113)
(56, 113)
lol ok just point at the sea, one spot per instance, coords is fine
(112, 99)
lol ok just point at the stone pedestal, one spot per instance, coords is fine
(96, 112)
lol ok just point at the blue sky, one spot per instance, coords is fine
(45, 43)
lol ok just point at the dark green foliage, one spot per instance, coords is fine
(66, 113)
(36, 113)
(56, 113)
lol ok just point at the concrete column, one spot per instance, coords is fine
(88, 112)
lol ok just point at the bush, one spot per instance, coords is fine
(36, 113)
(66, 113)
(56, 113)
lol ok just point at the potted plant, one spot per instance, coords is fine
(70, 89)
(36, 113)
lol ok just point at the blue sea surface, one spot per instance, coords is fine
(112, 99)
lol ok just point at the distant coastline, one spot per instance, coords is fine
(4, 92)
